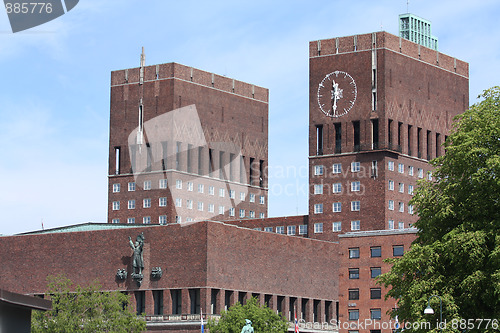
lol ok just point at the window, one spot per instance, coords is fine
(242, 213)
(280, 230)
(163, 183)
(146, 220)
(354, 253)
(401, 168)
(410, 209)
(178, 219)
(211, 208)
(401, 225)
(262, 215)
(318, 209)
(375, 252)
(337, 168)
(115, 221)
(252, 214)
(242, 196)
(410, 189)
(147, 185)
(146, 203)
(178, 184)
(318, 189)
(390, 165)
(410, 170)
(262, 199)
(375, 271)
(162, 219)
(190, 186)
(375, 314)
(353, 314)
(268, 229)
(353, 273)
(252, 197)
(131, 220)
(355, 225)
(116, 188)
(131, 204)
(355, 206)
(401, 188)
(189, 204)
(131, 186)
(222, 192)
(420, 173)
(337, 188)
(375, 293)
(391, 224)
(337, 207)
(318, 170)
(222, 210)
(258, 229)
(355, 186)
(303, 229)
(391, 204)
(355, 166)
(391, 185)
(337, 226)
(211, 190)
(116, 205)
(353, 294)
(401, 207)
(290, 230)
(178, 202)
(318, 228)
(429, 175)
(398, 250)
(200, 206)
(232, 194)
(162, 202)
(231, 211)
(201, 188)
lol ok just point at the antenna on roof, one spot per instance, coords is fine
(407, 6)
(143, 58)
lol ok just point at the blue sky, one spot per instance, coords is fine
(54, 101)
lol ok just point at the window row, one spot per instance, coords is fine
(375, 314)
(291, 230)
(162, 219)
(375, 293)
(337, 226)
(374, 272)
(411, 170)
(400, 225)
(336, 168)
(337, 207)
(401, 207)
(376, 251)
(401, 187)
(355, 186)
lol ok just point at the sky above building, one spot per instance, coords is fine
(55, 84)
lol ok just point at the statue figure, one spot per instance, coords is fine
(248, 327)
(137, 259)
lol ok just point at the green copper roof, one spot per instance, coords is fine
(417, 30)
(90, 226)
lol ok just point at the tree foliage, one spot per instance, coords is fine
(86, 309)
(457, 252)
(263, 319)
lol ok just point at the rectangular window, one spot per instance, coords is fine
(117, 160)
(355, 186)
(242, 196)
(355, 206)
(318, 170)
(401, 225)
(146, 220)
(337, 207)
(268, 229)
(375, 271)
(232, 211)
(353, 314)
(410, 209)
(319, 139)
(163, 183)
(178, 202)
(390, 165)
(398, 250)
(353, 294)
(410, 171)
(355, 166)
(115, 221)
(375, 252)
(242, 213)
(146, 203)
(131, 220)
(337, 226)
(375, 293)
(318, 228)
(189, 204)
(401, 207)
(337, 188)
(391, 204)
(232, 194)
(318, 208)
(357, 135)
(147, 185)
(354, 253)
(262, 200)
(391, 224)
(318, 189)
(337, 168)
(353, 273)
(178, 184)
(401, 188)
(375, 314)
(116, 205)
(410, 189)
(190, 186)
(162, 202)
(116, 188)
(251, 197)
(222, 210)
(222, 192)
(429, 175)
(211, 208)
(162, 219)
(401, 168)
(355, 225)
(338, 138)
(280, 230)
(211, 190)
(131, 186)
(420, 173)
(303, 229)
(131, 204)
(178, 219)
(158, 302)
(252, 214)
(391, 185)
(262, 215)
(200, 206)
(290, 230)
(201, 188)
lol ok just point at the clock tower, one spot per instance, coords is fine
(380, 108)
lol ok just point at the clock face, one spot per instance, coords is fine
(336, 94)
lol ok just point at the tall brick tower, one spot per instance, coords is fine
(185, 145)
(380, 108)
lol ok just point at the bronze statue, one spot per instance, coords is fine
(137, 258)
(248, 327)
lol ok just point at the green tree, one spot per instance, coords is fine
(264, 320)
(457, 251)
(86, 309)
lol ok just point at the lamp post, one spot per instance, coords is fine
(430, 310)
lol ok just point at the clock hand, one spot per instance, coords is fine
(335, 95)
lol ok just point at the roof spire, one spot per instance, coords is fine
(143, 58)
